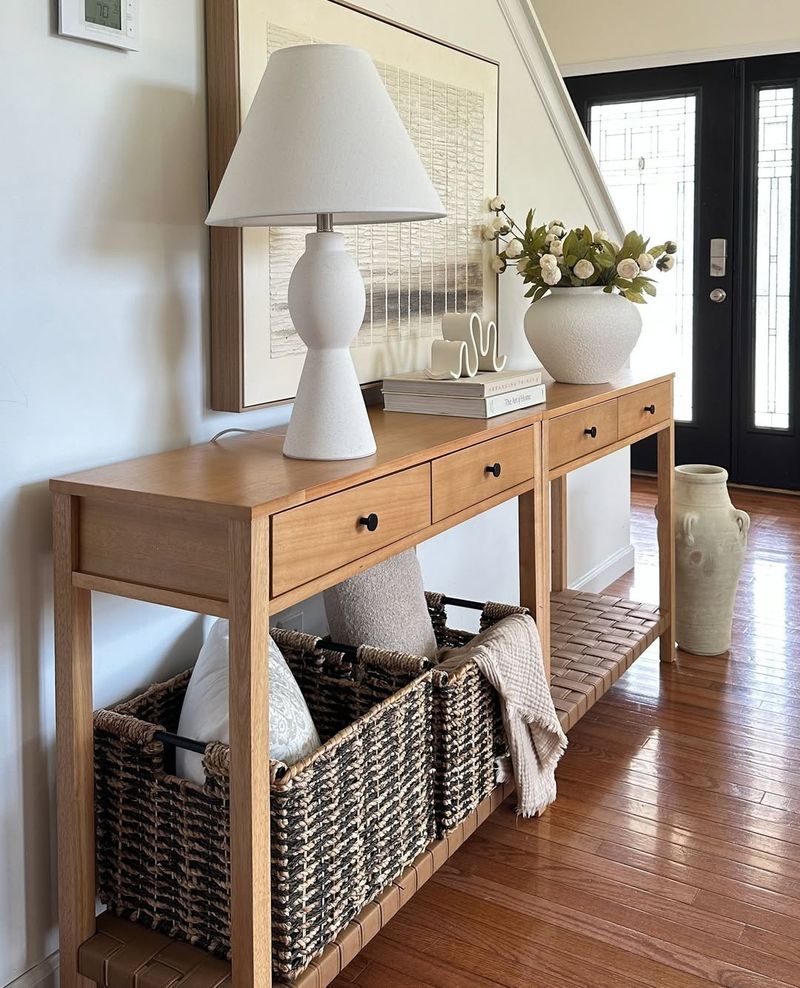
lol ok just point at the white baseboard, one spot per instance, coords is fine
(597, 579)
(44, 975)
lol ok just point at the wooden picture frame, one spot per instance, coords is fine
(244, 375)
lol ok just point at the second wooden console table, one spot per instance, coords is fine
(235, 529)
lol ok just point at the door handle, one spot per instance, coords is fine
(717, 295)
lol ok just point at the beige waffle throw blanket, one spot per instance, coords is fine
(509, 655)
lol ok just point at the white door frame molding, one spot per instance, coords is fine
(659, 59)
(544, 72)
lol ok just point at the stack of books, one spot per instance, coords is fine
(481, 397)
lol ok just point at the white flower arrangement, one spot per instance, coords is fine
(492, 229)
(627, 268)
(550, 255)
(551, 275)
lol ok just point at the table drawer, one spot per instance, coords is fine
(474, 474)
(640, 410)
(319, 537)
(578, 433)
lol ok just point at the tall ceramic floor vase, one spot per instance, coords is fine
(711, 540)
(583, 335)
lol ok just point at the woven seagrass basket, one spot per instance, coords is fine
(469, 733)
(345, 821)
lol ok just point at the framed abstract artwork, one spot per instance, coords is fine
(414, 272)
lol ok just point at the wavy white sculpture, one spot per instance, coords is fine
(467, 347)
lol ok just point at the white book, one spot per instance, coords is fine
(473, 408)
(483, 385)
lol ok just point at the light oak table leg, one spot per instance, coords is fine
(249, 741)
(75, 753)
(558, 533)
(666, 538)
(534, 545)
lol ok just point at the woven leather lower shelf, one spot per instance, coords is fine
(594, 638)
(123, 954)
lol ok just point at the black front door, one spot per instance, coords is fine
(707, 154)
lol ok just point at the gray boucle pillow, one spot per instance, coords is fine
(384, 606)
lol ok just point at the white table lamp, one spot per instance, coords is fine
(324, 144)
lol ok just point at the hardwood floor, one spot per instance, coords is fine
(672, 856)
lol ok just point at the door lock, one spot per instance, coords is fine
(717, 295)
(718, 260)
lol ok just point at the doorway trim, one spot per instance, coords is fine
(663, 59)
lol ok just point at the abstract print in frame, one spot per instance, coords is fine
(413, 272)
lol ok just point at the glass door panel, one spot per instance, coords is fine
(646, 150)
(773, 244)
(767, 423)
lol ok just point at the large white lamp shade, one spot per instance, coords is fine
(323, 144)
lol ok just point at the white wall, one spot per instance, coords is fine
(584, 38)
(103, 314)
(103, 308)
(480, 558)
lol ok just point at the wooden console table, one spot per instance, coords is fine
(235, 529)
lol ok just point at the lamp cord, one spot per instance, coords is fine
(226, 432)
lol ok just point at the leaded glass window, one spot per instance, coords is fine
(646, 152)
(773, 257)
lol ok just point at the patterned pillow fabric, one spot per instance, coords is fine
(385, 607)
(204, 715)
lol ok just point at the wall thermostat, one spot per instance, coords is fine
(106, 22)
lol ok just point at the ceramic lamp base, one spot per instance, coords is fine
(327, 302)
(329, 420)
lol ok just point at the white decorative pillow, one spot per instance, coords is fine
(385, 607)
(204, 715)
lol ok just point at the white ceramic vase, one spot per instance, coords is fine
(711, 540)
(583, 335)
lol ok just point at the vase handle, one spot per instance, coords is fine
(743, 521)
(687, 523)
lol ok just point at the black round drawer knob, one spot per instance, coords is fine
(591, 432)
(370, 522)
(650, 408)
(494, 469)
